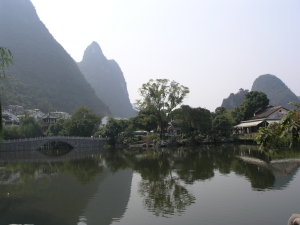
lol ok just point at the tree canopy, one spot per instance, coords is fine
(253, 101)
(84, 123)
(161, 96)
(6, 59)
(193, 119)
(277, 135)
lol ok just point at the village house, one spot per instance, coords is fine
(261, 118)
(14, 109)
(9, 118)
(174, 128)
(48, 119)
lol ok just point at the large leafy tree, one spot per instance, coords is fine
(84, 122)
(193, 119)
(6, 59)
(29, 127)
(113, 129)
(222, 121)
(276, 135)
(161, 96)
(254, 100)
(145, 120)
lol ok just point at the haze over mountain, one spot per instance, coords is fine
(107, 79)
(234, 100)
(278, 93)
(46, 77)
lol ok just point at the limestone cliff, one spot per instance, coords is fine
(107, 79)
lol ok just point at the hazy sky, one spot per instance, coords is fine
(214, 47)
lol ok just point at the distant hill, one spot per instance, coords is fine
(46, 77)
(107, 79)
(234, 100)
(277, 92)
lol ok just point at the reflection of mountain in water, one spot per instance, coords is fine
(283, 171)
(58, 198)
(110, 200)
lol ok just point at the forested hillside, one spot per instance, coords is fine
(277, 92)
(234, 100)
(45, 75)
(107, 79)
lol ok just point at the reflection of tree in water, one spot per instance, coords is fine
(193, 166)
(163, 194)
(117, 160)
(259, 177)
(84, 170)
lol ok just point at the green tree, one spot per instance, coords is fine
(237, 115)
(222, 121)
(83, 122)
(59, 128)
(112, 129)
(254, 100)
(222, 124)
(29, 127)
(218, 111)
(193, 119)
(276, 135)
(6, 59)
(145, 120)
(162, 97)
(11, 132)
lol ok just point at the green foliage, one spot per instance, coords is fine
(6, 59)
(222, 121)
(113, 129)
(161, 97)
(268, 137)
(83, 123)
(278, 135)
(29, 127)
(59, 129)
(237, 115)
(145, 120)
(46, 76)
(11, 132)
(253, 101)
(152, 138)
(222, 124)
(193, 120)
(234, 100)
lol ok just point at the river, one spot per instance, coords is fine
(225, 184)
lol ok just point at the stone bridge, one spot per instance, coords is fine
(35, 143)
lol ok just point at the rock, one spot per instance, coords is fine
(294, 219)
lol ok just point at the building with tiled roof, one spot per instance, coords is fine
(261, 118)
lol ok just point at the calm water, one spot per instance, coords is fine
(204, 185)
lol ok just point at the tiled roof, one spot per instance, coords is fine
(50, 115)
(267, 112)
